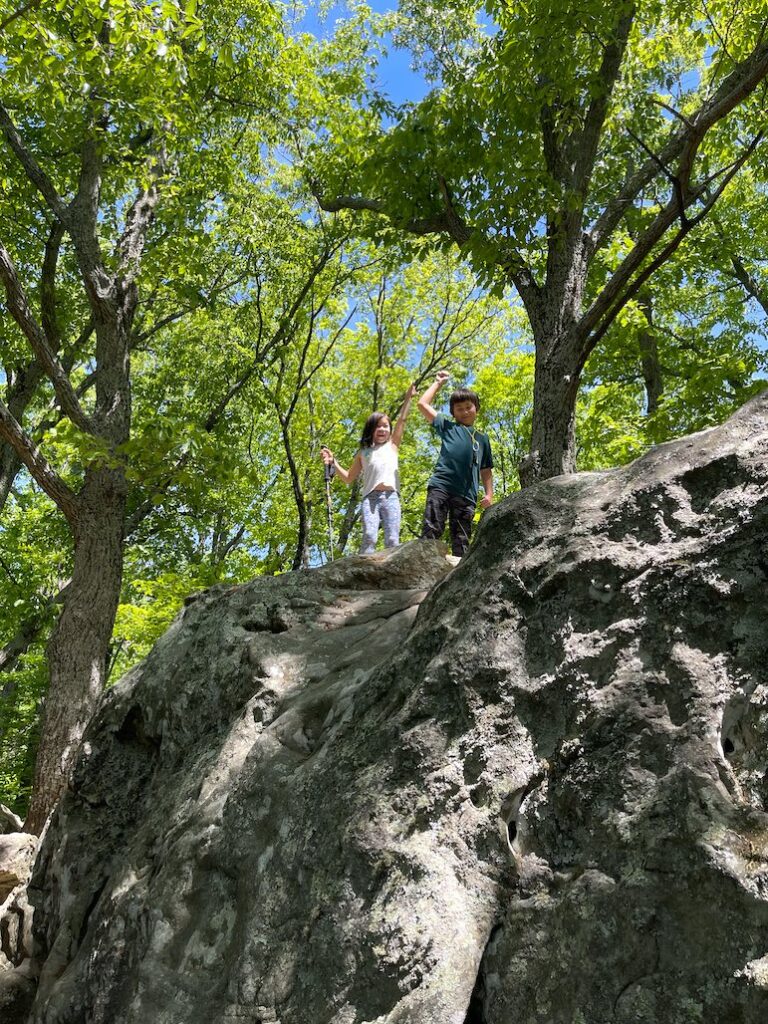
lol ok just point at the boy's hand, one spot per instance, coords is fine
(442, 377)
(486, 501)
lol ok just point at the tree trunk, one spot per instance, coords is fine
(351, 517)
(649, 357)
(77, 653)
(553, 435)
(301, 556)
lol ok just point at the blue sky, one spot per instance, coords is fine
(395, 75)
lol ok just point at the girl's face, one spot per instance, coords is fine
(382, 431)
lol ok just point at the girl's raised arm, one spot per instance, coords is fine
(397, 433)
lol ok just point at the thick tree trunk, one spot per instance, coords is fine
(555, 387)
(77, 653)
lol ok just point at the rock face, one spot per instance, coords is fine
(17, 852)
(9, 822)
(540, 800)
(17, 855)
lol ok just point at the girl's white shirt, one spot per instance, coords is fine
(380, 467)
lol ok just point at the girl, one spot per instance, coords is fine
(377, 460)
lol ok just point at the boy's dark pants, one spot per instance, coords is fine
(460, 513)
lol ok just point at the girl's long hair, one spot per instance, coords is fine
(366, 441)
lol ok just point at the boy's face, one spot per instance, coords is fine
(465, 412)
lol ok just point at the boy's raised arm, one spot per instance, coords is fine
(425, 402)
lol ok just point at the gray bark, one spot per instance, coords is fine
(553, 431)
(79, 645)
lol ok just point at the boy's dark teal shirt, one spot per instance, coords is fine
(458, 467)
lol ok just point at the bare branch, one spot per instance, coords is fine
(137, 223)
(83, 224)
(435, 225)
(675, 113)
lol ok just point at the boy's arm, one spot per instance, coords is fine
(397, 433)
(425, 402)
(486, 478)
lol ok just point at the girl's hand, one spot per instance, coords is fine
(411, 393)
(327, 455)
(442, 377)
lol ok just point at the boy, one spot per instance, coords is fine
(464, 461)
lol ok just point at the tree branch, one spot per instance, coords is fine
(83, 224)
(589, 138)
(19, 309)
(618, 292)
(48, 286)
(749, 283)
(684, 143)
(53, 485)
(137, 223)
(435, 225)
(31, 6)
(456, 226)
(32, 169)
(28, 631)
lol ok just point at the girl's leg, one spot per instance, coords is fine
(390, 518)
(370, 515)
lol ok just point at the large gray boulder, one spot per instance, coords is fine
(538, 800)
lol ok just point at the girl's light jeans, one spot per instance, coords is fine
(381, 506)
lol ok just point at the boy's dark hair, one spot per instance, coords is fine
(464, 395)
(366, 441)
